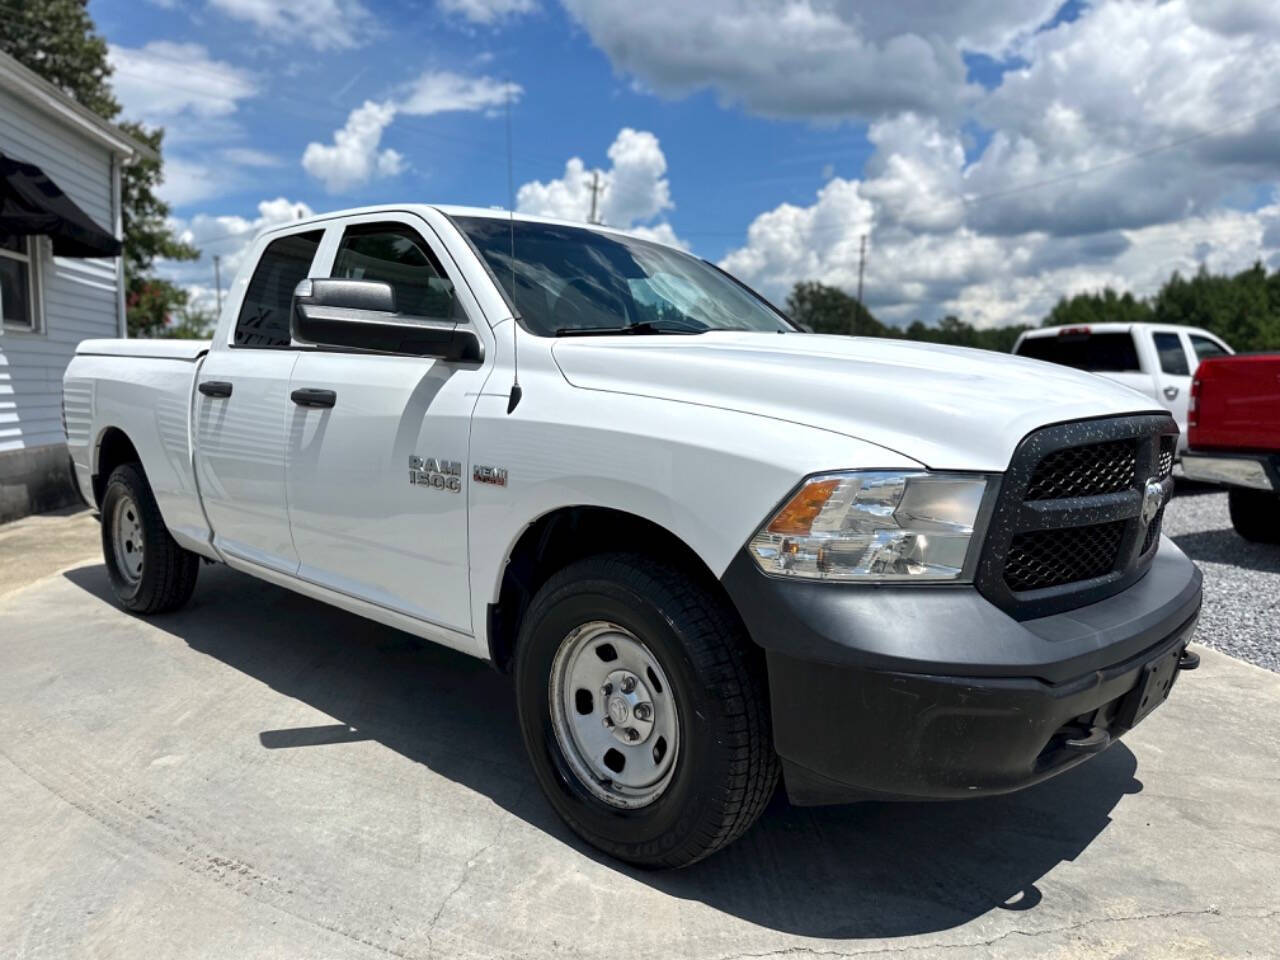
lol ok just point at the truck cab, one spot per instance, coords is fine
(711, 549)
(1157, 360)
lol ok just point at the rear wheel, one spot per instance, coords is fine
(149, 572)
(643, 709)
(1255, 514)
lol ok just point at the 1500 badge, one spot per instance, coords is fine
(439, 474)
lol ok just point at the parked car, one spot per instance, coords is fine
(710, 547)
(1155, 360)
(1235, 438)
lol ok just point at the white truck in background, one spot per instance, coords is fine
(711, 548)
(1157, 360)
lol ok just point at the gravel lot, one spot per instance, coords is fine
(1241, 614)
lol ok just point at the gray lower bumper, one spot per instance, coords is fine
(1255, 471)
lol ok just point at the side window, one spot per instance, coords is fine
(1206, 348)
(1173, 359)
(264, 315)
(396, 254)
(18, 284)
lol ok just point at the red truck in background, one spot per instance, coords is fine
(1233, 435)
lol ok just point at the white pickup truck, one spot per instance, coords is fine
(1157, 360)
(710, 547)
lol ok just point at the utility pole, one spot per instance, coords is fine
(862, 266)
(595, 192)
(217, 279)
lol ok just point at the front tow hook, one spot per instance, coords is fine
(1095, 741)
(1188, 660)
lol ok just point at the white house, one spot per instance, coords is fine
(59, 214)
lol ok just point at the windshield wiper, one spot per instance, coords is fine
(643, 328)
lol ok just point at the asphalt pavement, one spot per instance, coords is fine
(260, 775)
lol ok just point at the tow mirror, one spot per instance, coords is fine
(362, 315)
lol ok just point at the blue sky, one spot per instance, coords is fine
(731, 164)
(768, 135)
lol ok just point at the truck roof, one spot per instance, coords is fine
(451, 210)
(1108, 328)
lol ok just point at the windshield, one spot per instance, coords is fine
(571, 280)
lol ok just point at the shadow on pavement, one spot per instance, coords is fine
(868, 870)
(1227, 546)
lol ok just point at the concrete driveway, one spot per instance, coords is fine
(261, 775)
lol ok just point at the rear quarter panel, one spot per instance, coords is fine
(149, 399)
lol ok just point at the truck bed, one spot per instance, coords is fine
(1237, 404)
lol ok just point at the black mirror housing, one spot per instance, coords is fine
(361, 315)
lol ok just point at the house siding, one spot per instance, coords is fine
(79, 299)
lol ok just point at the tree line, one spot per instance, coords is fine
(1241, 308)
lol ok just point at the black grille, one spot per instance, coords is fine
(1166, 456)
(1085, 471)
(1066, 527)
(1049, 558)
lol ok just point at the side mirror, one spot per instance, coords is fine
(361, 315)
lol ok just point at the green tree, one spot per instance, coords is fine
(826, 309)
(57, 39)
(192, 323)
(1106, 306)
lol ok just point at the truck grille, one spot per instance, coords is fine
(1067, 527)
(1084, 471)
(1046, 558)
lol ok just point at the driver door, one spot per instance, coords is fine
(378, 478)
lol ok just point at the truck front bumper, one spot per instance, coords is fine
(931, 692)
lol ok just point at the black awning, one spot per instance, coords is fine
(32, 205)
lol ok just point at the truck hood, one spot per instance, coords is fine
(947, 407)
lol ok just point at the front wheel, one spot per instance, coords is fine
(149, 572)
(1255, 514)
(643, 709)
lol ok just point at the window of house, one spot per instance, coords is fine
(264, 315)
(18, 283)
(1173, 359)
(396, 254)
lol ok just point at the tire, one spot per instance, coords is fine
(720, 766)
(160, 577)
(1255, 514)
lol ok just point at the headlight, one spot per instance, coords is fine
(873, 526)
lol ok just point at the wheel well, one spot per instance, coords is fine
(114, 448)
(563, 536)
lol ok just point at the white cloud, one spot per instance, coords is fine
(320, 24)
(808, 58)
(163, 82)
(631, 192)
(354, 157)
(441, 91)
(487, 11)
(227, 236)
(249, 157)
(1120, 148)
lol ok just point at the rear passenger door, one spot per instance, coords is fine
(1172, 374)
(240, 410)
(378, 482)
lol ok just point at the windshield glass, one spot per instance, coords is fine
(573, 280)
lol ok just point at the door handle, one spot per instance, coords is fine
(1170, 393)
(310, 397)
(215, 388)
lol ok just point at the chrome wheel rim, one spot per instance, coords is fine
(126, 539)
(614, 715)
